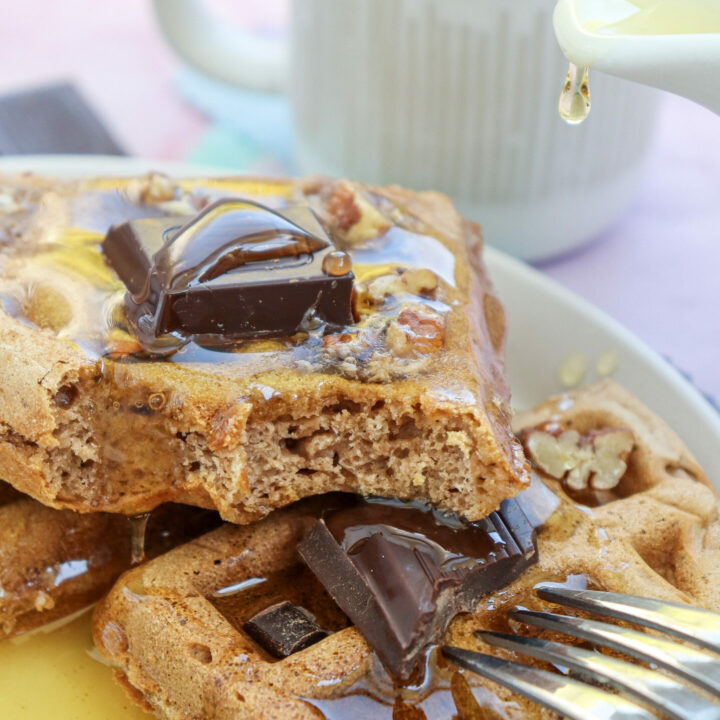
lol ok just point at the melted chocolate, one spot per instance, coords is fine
(236, 270)
(401, 572)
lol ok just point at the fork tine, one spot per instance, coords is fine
(660, 691)
(564, 695)
(684, 621)
(694, 665)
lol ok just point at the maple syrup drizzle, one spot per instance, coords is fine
(138, 526)
(574, 104)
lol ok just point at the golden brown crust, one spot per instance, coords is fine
(83, 427)
(660, 539)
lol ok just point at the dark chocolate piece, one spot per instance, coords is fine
(284, 629)
(236, 270)
(401, 572)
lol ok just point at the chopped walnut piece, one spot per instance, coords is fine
(43, 601)
(227, 426)
(342, 208)
(157, 188)
(421, 282)
(337, 339)
(597, 460)
(382, 287)
(352, 216)
(418, 330)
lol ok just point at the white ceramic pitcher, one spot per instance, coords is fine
(670, 44)
(459, 96)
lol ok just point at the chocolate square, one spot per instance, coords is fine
(401, 572)
(283, 629)
(236, 270)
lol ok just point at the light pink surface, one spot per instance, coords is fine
(656, 271)
(113, 52)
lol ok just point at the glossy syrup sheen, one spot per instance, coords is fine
(52, 675)
(63, 283)
(57, 674)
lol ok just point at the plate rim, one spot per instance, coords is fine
(534, 278)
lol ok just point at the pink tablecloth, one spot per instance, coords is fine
(656, 271)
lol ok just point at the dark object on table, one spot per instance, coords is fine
(53, 119)
(401, 571)
(236, 270)
(284, 629)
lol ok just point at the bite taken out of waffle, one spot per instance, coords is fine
(405, 396)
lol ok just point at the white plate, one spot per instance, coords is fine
(547, 323)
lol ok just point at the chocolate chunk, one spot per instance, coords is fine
(402, 571)
(236, 270)
(284, 629)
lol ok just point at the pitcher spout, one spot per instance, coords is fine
(637, 40)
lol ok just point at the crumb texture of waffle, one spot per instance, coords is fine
(409, 401)
(178, 642)
(54, 562)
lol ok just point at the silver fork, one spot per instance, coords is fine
(700, 668)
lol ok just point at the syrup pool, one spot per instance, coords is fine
(52, 673)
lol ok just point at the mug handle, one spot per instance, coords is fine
(237, 57)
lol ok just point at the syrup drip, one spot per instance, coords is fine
(337, 263)
(138, 525)
(574, 104)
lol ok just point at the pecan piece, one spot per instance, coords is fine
(418, 330)
(158, 188)
(597, 460)
(352, 216)
(421, 282)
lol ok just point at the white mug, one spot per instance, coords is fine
(452, 95)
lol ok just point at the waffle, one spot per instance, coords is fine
(409, 401)
(173, 628)
(54, 562)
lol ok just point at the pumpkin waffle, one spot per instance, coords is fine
(409, 400)
(173, 628)
(54, 562)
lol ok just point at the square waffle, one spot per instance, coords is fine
(409, 400)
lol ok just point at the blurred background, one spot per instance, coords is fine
(642, 242)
